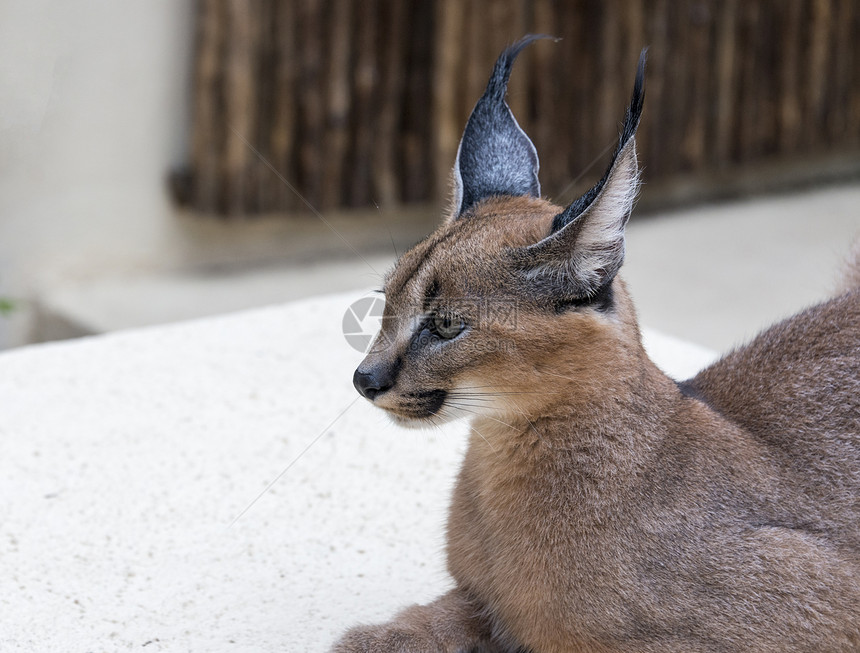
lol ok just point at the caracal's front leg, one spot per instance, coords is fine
(451, 624)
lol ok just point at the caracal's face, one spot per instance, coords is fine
(461, 333)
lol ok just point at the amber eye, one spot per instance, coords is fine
(448, 326)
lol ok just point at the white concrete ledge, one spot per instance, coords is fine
(124, 458)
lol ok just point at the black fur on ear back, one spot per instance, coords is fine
(495, 156)
(628, 131)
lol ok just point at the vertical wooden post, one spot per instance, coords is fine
(338, 104)
(726, 72)
(240, 104)
(392, 56)
(447, 65)
(205, 139)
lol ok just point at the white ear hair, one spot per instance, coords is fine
(599, 245)
(584, 254)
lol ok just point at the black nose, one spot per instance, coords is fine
(371, 384)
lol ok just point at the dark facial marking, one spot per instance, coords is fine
(426, 403)
(431, 294)
(603, 301)
(423, 336)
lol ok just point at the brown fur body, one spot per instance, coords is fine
(601, 506)
(675, 525)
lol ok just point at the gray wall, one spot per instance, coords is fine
(93, 113)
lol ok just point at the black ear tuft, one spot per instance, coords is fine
(628, 131)
(495, 156)
(580, 257)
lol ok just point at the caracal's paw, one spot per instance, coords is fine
(388, 638)
(453, 623)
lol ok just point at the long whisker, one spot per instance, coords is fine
(525, 417)
(496, 385)
(464, 403)
(485, 415)
(497, 394)
(475, 429)
(483, 437)
(394, 247)
(562, 376)
(491, 385)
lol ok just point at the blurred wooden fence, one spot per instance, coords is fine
(356, 103)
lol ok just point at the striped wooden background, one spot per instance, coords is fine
(355, 103)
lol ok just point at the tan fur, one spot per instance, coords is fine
(599, 507)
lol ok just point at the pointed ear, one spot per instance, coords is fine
(495, 156)
(585, 248)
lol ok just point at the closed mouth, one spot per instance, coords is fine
(419, 405)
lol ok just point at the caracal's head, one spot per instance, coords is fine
(513, 303)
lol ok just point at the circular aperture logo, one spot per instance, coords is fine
(362, 321)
